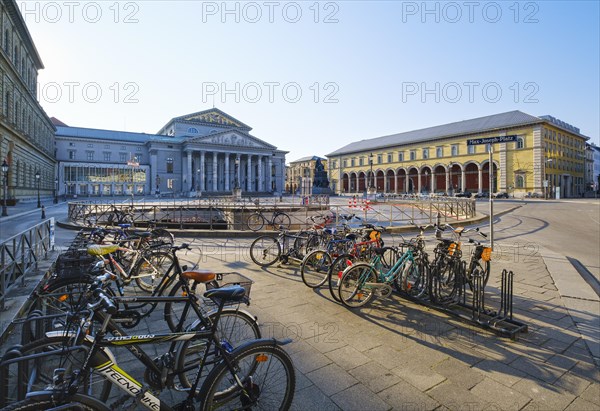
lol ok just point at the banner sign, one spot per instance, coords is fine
(491, 140)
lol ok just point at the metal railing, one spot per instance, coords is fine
(19, 256)
(227, 213)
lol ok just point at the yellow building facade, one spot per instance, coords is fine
(547, 159)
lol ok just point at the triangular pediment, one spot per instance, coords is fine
(213, 116)
(232, 139)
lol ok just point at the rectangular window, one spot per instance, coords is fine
(107, 146)
(71, 144)
(71, 154)
(401, 156)
(334, 164)
(352, 162)
(90, 146)
(439, 152)
(107, 156)
(345, 163)
(123, 148)
(454, 149)
(390, 158)
(122, 157)
(360, 161)
(138, 158)
(471, 149)
(425, 153)
(170, 183)
(138, 149)
(169, 165)
(379, 158)
(413, 155)
(89, 155)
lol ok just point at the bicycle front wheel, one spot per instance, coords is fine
(334, 276)
(354, 289)
(267, 379)
(282, 220)
(150, 269)
(46, 401)
(315, 267)
(36, 374)
(265, 250)
(255, 222)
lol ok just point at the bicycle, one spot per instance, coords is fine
(240, 377)
(257, 220)
(266, 250)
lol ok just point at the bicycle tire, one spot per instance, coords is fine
(266, 369)
(444, 282)
(351, 291)
(150, 269)
(485, 271)
(23, 372)
(234, 328)
(413, 278)
(255, 222)
(161, 238)
(78, 403)
(265, 251)
(315, 267)
(282, 220)
(334, 276)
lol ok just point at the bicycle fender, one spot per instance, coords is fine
(84, 399)
(214, 310)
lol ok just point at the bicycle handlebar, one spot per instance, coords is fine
(105, 301)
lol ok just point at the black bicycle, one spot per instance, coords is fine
(257, 220)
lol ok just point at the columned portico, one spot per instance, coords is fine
(249, 173)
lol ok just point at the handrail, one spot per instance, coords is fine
(19, 255)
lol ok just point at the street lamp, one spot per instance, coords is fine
(371, 165)
(5, 185)
(548, 187)
(37, 179)
(56, 191)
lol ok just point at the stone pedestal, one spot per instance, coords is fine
(372, 190)
(237, 193)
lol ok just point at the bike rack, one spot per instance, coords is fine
(470, 306)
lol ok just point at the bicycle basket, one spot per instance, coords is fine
(453, 247)
(227, 279)
(486, 255)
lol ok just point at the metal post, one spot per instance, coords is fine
(4, 187)
(56, 191)
(491, 176)
(37, 179)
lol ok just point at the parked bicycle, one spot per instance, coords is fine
(257, 374)
(257, 220)
(267, 250)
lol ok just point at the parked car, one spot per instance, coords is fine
(483, 194)
(502, 194)
(466, 194)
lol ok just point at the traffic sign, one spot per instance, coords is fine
(491, 140)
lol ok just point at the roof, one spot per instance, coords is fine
(124, 136)
(476, 125)
(13, 10)
(57, 122)
(309, 158)
(186, 118)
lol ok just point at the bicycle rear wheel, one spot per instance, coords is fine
(267, 376)
(234, 328)
(353, 290)
(265, 250)
(315, 267)
(47, 401)
(282, 220)
(255, 222)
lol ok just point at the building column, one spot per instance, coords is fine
(202, 172)
(480, 171)
(227, 176)
(463, 179)
(249, 173)
(189, 172)
(239, 167)
(418, 181)
(214, 172)
(433, 182)
(153, 171)
(259, 176)
(269, 174)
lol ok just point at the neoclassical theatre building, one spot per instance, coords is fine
(203, 153)
(547, 158)
(26, 133)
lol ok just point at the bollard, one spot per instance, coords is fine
(43, 212)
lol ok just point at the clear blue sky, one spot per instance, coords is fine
(364, 69)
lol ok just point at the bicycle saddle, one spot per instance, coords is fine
(233, 293)
(200, 276)
(98, 249)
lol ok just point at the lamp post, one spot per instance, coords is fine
(5, 185)
(37, 179)
(548, 186)
(371, 173)
(236, 182)
(56, 191)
